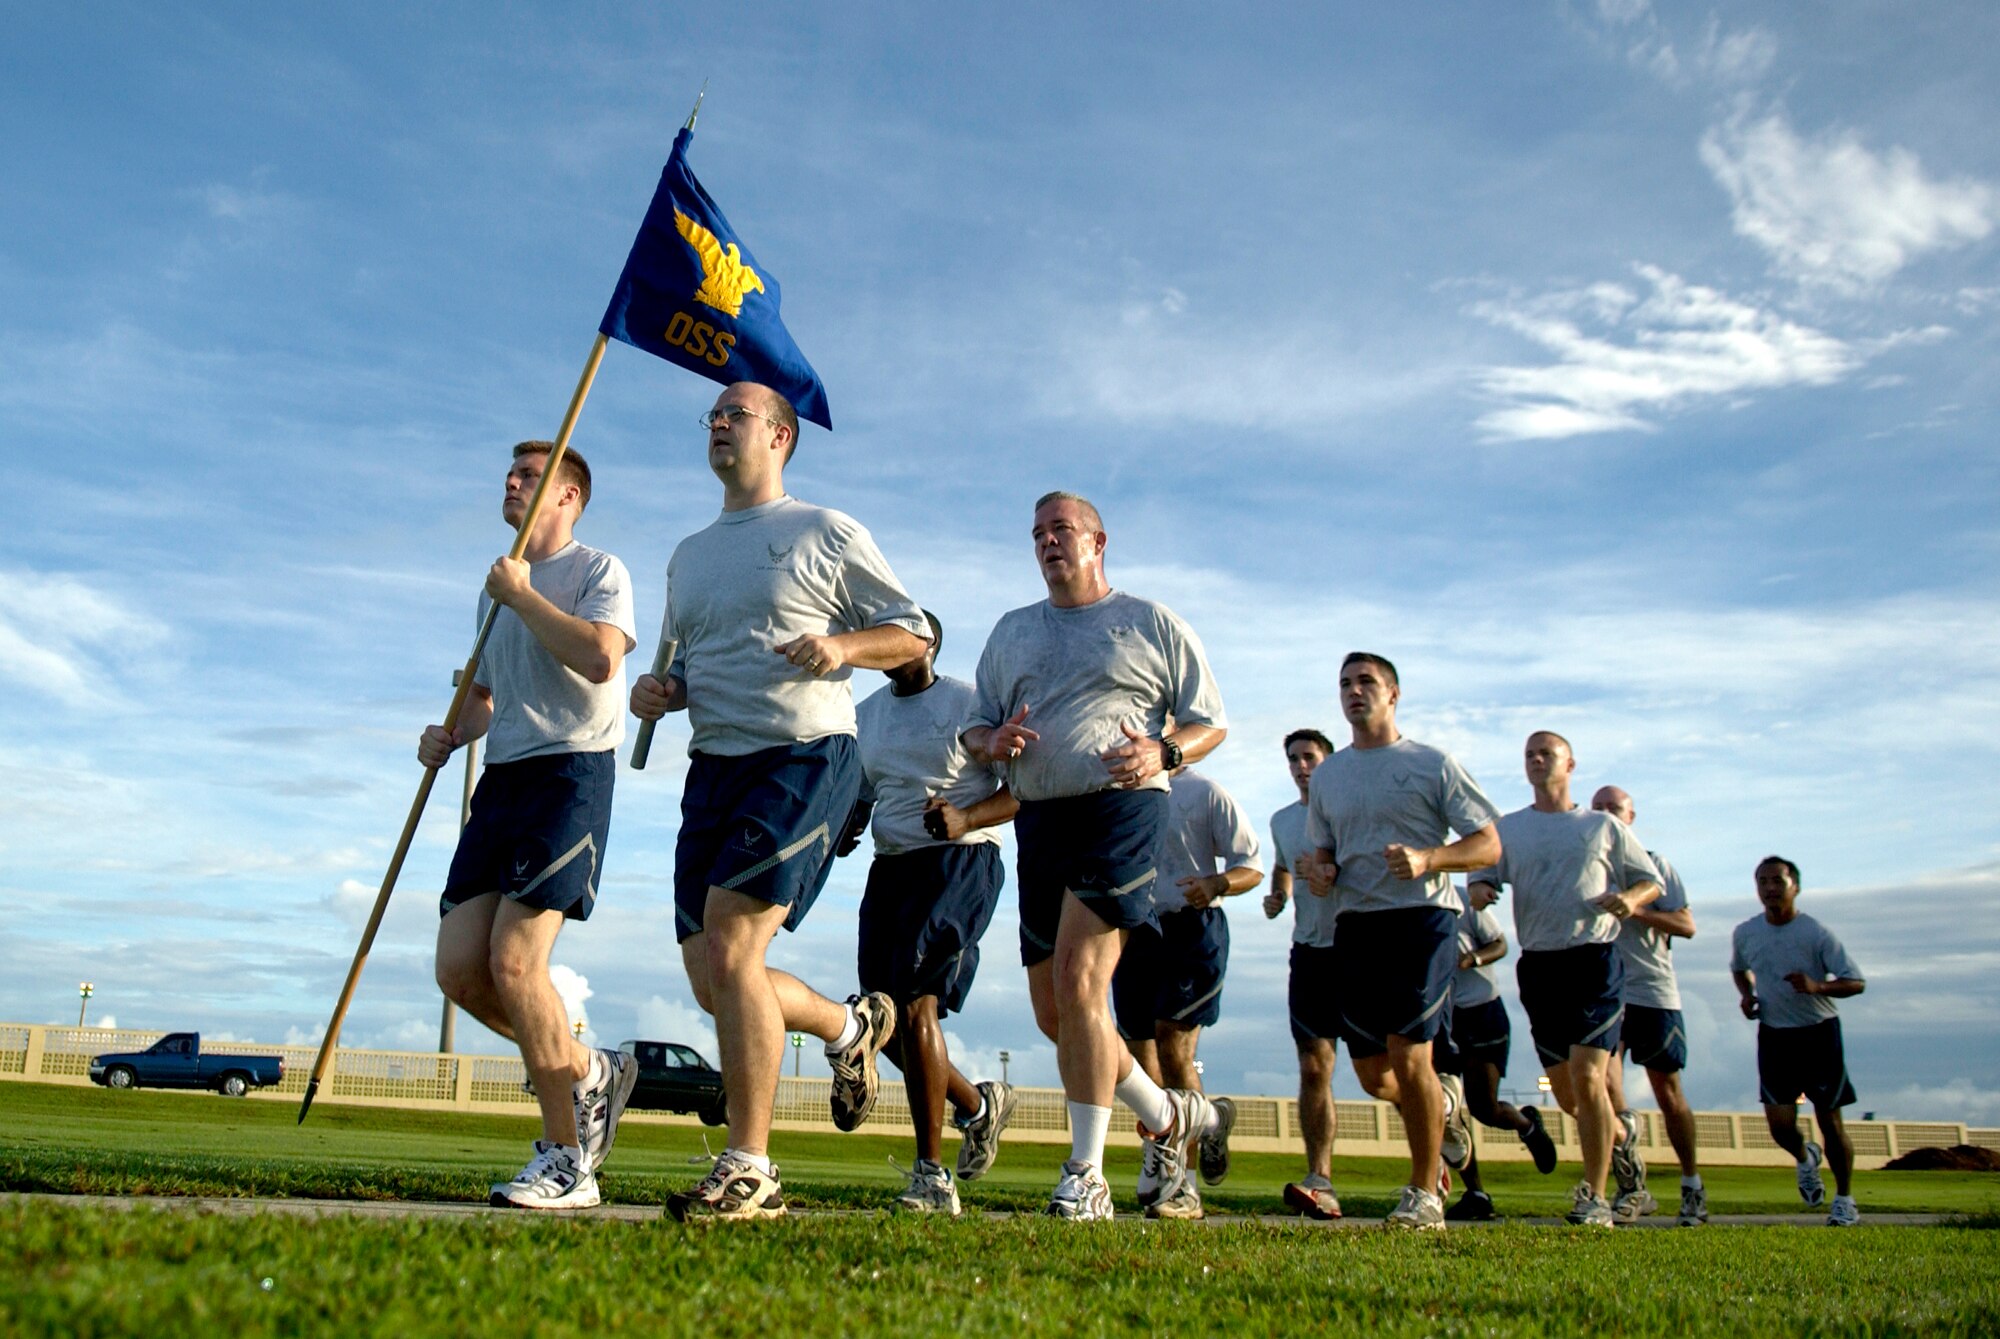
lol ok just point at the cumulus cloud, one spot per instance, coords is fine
(1831, 211)
(661, 1019)
(1622, 357)
(574, 987)
(62, 638)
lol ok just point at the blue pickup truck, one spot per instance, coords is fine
(176, 1061)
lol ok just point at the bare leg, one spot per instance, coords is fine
(1839, 1148)
(1316, 1059)
(1042, 996)
(1784, 1123)
(464, 953)
(1676, 1115)
(1580, 1085)
(1469, 1174)
(1146, 1055)
(1404, 1076)
(753, 1006)
(1088, 1051)
(928, 1075)
(519, 962)
(1176, 1047)
(1482, 1099)
(961, 1092)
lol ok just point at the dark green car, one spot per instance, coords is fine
(673, 1077)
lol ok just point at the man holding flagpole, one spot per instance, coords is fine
(545, 699)
(773, 606)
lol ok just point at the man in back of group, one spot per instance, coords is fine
(1576, 874)
(1653, 1034)
(1168, 985)
(773, 605)
(931, 892)
(1315, 1019)
(546, 697)
(1074, 695)
(1789, 969)
(1379, 815)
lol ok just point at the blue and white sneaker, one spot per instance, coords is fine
(1844, 1213)
(556, 1178)
(1812, 1189)
(599, 1107)
(1082, 1195)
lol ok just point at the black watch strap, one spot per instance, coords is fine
(1170, 756)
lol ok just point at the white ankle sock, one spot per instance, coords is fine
(849, 1034)
(1147, 1099)
(761, 1161)
(593, 1074)
(1691, 1182)
(973, 1118)
(1087, 1127)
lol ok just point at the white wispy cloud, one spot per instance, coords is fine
(63, 638)
(1831, 211)
(1622, 358)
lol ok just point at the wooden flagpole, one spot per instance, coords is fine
(549, 471)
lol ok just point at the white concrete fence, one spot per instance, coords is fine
(433, 1081)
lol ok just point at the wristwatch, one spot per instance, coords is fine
(1170, 755)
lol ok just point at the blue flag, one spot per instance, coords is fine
(693, 294)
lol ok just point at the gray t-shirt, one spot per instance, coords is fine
(910, 751)
(1555, 864)
(1312, 917)
(1207, 833)
(1801, 944)
(1405, 793)
(1084, 672)
(1475, 985)
(752, 580)
(541, 705)
(1649, 965)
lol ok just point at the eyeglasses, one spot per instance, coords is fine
(726, 416)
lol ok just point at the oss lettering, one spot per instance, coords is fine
(700, 339)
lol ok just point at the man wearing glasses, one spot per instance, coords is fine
(1074, 695)
(774, 605)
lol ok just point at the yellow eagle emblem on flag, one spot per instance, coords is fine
(725, 279)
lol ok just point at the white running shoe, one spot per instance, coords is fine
(1214, 1152)
(1183, 1203)
(1633, 1205)
(980, 1137)
(1082, 1195)
(931, 1190)
(1457, 1147)
(1844, 1212)
(555, 1178)
(598, 1108)
(1419, 1209)
(734, 1191)
(1163, 1165)
(1812, 1189)
(1626, 1165)
(855, 1082)
(1314, 1198)
(1694, 1206)
(1589, 1208)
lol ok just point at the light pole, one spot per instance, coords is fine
(577, 1028)
(798, 1045)
(85, 989)
(1004, 1058)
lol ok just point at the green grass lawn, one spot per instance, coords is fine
(87, 1270)
(94, 1141)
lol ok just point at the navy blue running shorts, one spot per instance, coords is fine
(536, 834)
(1313, 1003)
(762, 824)
(921, 920)
(1480, 1034)
(1393, 973)
(1100, 846)
(1656, 1039)
(1573, 997)
(1803, 1061)
(1172, 974)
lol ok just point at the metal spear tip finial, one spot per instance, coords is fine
(697, 105)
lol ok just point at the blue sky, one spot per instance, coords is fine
(1618, 369)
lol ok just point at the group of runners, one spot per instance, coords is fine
(1088, 711)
